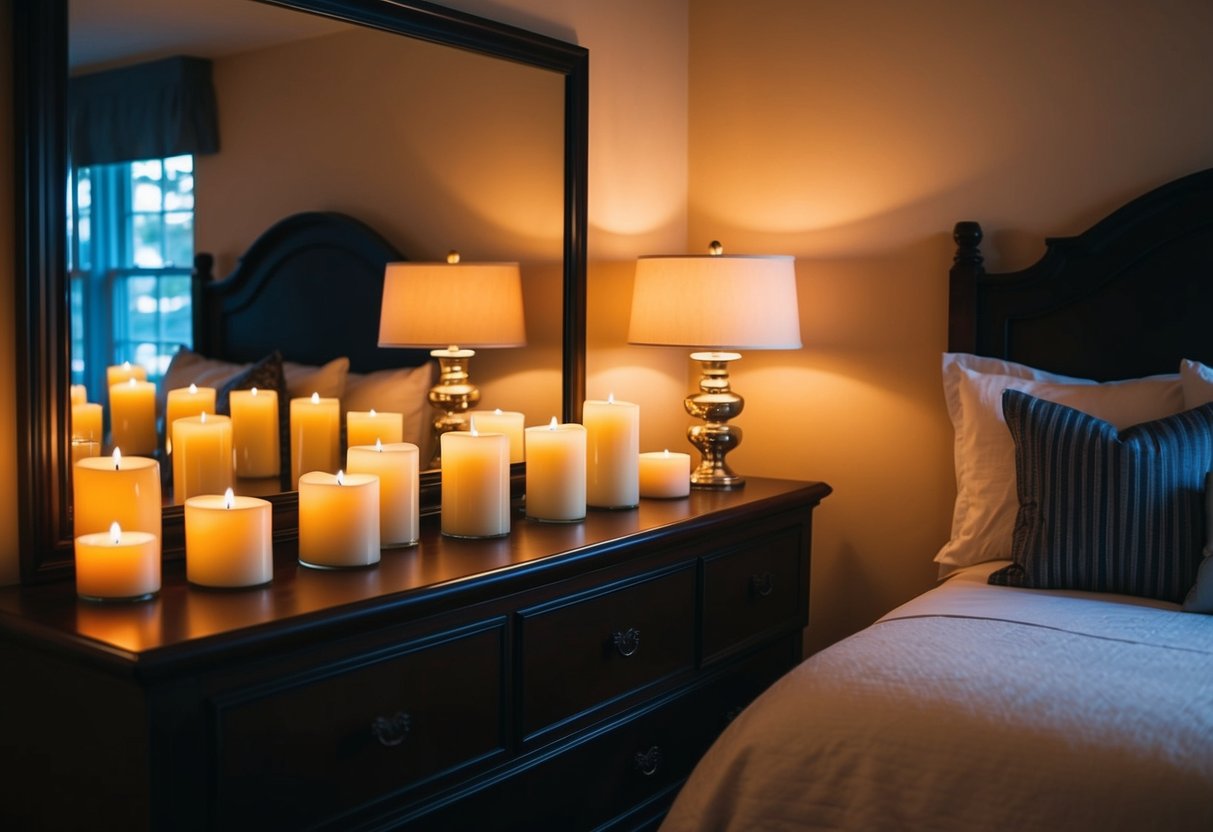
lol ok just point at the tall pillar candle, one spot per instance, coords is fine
(612, 437)
(665, 475)
(184, 402)
(118, 373)
(509, 422)
(255, 433)
(228, 540)
(133, 416)
(86, 421)
(315, 435)
(338, 519)
(555, 472)
(202, 456)
(475, 484)
(371, 426)
(117, 565)
(396, 465)
(118, 488)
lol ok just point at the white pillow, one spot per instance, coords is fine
(984, 515)
(302, 380)
(396, 391)
(1197, 381)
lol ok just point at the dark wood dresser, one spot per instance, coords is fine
(563, 677)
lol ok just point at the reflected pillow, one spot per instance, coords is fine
(1104, 509)
(396, 391)
(302, 380)
(983, 516)
(1197, 381)
(188, 367)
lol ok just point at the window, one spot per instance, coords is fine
(131, 251)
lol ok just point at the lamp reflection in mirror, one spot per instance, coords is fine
(721, 302)
(452, 307)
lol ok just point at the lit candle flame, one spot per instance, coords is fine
(373, 413)
(378, 444)
(229, 498)
(315, 398)
(130, 382)
(126, 365)
(611, 397)
(497, 412)
(202, 417)
(472, 426)
(115, 532)
(552, 424)
(193, 389)
(666, 453)
(341, 477)
(254, 391)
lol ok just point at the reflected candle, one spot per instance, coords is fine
(510, 423)
(202, 456)
(118, 373)
(86, 421)
(133, 416)
(184, 402)
(396, 465)
(315, 435)
(79, 394)
(475, 483)
(338, 519)
(364, 428)
(255, 433)
(612, 437)
(228, 540)
(117, 565)
(555, 472)
(665, 475)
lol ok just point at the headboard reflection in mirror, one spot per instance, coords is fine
(421, 128)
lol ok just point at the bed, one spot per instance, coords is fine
(299, 313)
(1061, 674)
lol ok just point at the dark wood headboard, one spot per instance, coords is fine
(1129, 297)
(310, 287)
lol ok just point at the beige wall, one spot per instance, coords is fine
(853, 135)
(8, 381)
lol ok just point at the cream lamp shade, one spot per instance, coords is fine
(446, 304)
(720, 301)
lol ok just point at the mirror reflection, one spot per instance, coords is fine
(429, 148)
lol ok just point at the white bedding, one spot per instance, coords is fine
(978, 707)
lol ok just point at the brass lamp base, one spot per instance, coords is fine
(715, 403)
(452, 396)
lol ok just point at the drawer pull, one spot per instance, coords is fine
(647, 762)
(762, 584)
(391, 730)
(626, 642)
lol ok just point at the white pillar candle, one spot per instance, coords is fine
(228, 540)
(117, 565)
(338, 519)
(118, 373)
(315, 435)
(664, 474)
(202, 456)
(86, 421)
(118, 488)
(371, 426)
(555, 472)
(184, 402)
(612, 436)
(133, 416)
(255, 433)
(79, 394)
(510, 423)
(396, 465)
(475, 483)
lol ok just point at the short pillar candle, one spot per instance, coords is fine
(184, 402)
(338, 519)
(475, 483)
(612, 437)
(366, 427)
(315, 435)
(202, 456)
(228, 540)
(555, 473)
(396, 465)
(118, 488)
(665, 475)
(509, 422)
(133, 416)
(117, 565)
(255, 433)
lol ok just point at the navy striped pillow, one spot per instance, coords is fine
(1107, 510)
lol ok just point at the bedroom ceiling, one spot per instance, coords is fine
(110, 32)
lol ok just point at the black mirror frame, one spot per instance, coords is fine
(43, 338)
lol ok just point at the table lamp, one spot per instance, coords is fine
(452, 307)
(722, 303)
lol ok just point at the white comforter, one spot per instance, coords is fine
(977, 707)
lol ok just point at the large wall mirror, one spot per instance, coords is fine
(480, 134)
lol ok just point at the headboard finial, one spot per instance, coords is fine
(967, 235)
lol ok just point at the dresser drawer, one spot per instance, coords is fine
(583, 652)
(751, 591)
(299, 750)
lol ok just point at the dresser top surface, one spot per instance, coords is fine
(532, 553)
